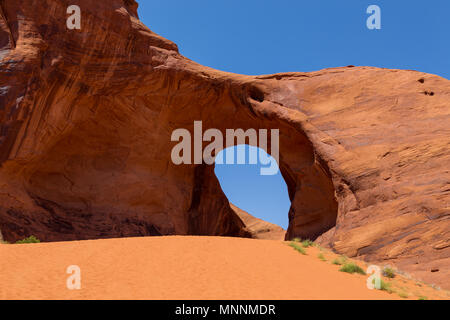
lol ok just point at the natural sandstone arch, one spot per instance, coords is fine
(313, 204)
(75, 179)
(86, 118)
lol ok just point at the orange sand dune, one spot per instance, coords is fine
(175, 268)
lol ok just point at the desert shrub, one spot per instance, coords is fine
(388, 272)
(336, 262)
(30, 239)
(340, 261)
(385, 286)
(423, 298)
(321, 257)
(297, 247)
(307, 243)
(352, 268)
(403, 295)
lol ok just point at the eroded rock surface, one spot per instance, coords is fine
(86, 118)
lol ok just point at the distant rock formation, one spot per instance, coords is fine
(259, 229)
(86, 118)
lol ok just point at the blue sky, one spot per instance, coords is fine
(268, 36)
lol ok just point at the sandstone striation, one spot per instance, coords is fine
(86, 118)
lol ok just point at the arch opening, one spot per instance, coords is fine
(262, 201)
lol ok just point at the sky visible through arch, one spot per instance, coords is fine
(264, 196)
(268, 36)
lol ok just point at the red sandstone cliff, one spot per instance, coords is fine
(86, 119)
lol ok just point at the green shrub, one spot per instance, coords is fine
(403, 295)
(384, 286)
(340, 261)
(389, 272)
(321, 257)
(307, 243)
(30, 239)
(297, 247)
(423, 298)
(352, 268)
